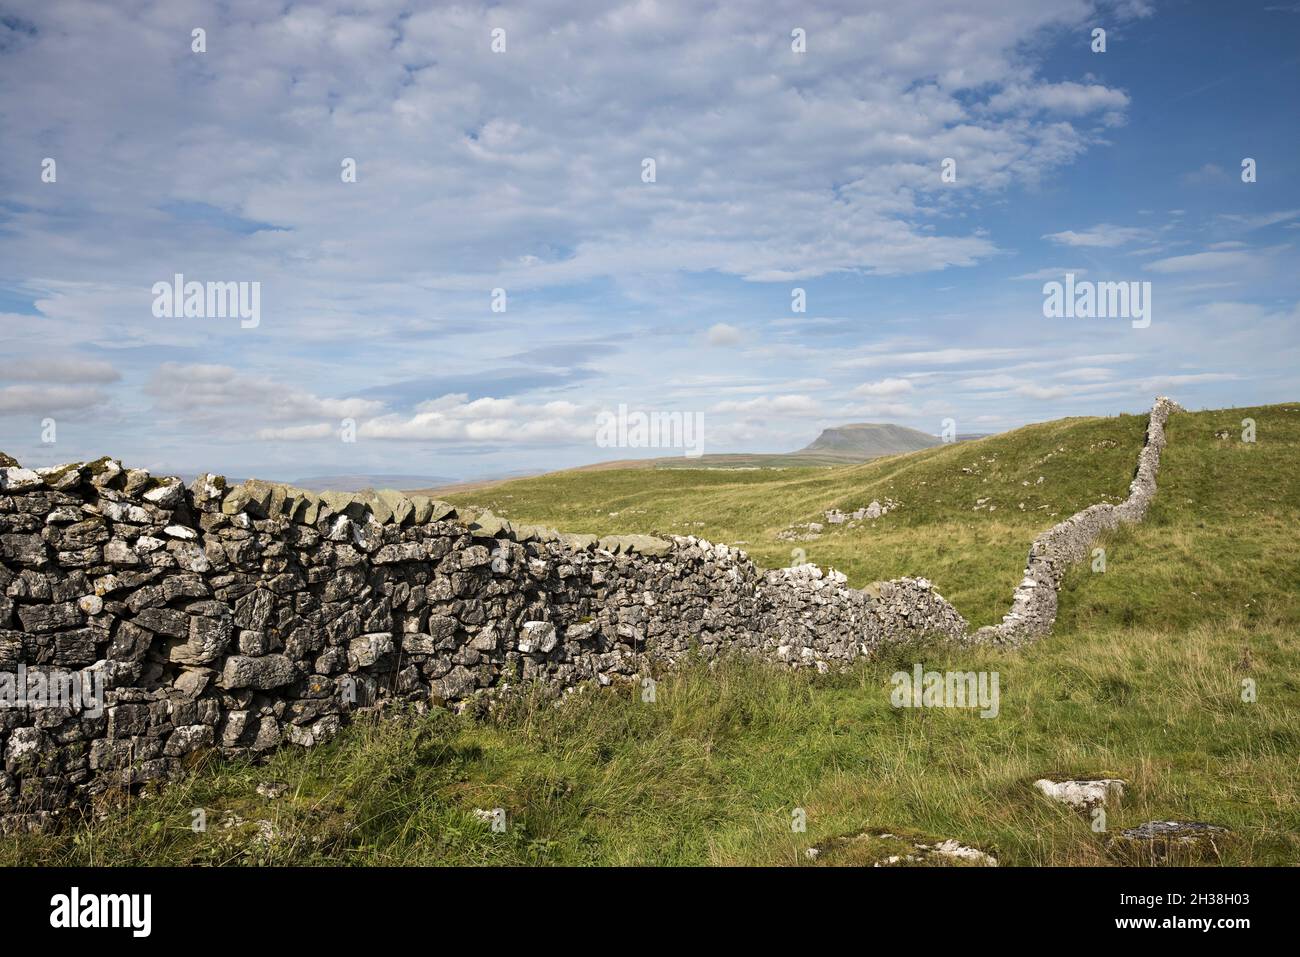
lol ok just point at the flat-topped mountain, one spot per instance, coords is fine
(860, 441)
(838, 445)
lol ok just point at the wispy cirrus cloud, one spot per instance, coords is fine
(1101, 236)
(1203, 262)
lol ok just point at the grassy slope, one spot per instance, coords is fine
(1141, 681)
(975, 557)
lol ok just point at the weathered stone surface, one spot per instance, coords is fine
(365, 650)
(490, 526)
(1082, 794)
(189, 738)
(1172, 830)
(1182, 842)
(167, 495)
(20, 549)
(269, 671)
(45, 618)
(206, 639)
(635, 544)
(19, 480)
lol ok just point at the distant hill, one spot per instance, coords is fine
(342, 483)
(868, 440)
(355, 483)
(840, 445)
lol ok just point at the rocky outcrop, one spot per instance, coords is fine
(172, 619)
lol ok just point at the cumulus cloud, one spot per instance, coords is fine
(780, 405)
(1069, 99)
(523, 171)
(884, 388)
(48, 399)
(454, 418)
(530, 169)
(50, 385)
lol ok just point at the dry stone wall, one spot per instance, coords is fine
(1033, 606)
(247, 617)
(242, 618)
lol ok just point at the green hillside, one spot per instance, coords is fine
(974, 551)
(1141, 680)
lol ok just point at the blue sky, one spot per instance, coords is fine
(522, 170)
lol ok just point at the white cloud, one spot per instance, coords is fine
(1086, 373)
(208, 391)
(1209, 173)
(1069, 99)
(876, 410)
(884, 388)
(48, 399)
(456, 419)
(781, 405)
(992, 381)
(528, 168)
(1102, 236)
(1196, 262)
(522, 171)
(722, 334)
(1163, 382)
(1260, 220)
(955, 355)
(295, 433)
(1052, 272)
(71, 369)
(1032, 391)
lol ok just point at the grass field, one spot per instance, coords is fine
(1141, 680)
(974, 555)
